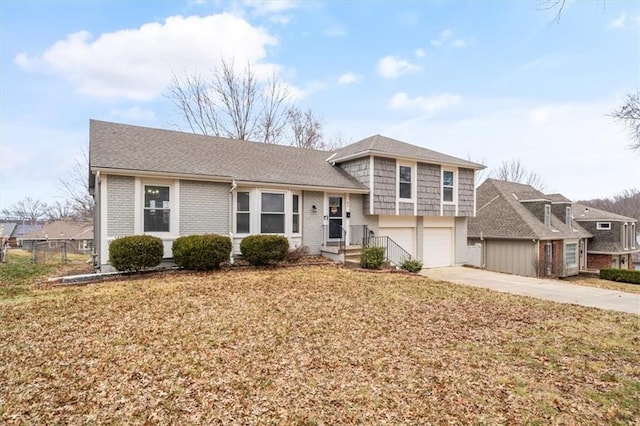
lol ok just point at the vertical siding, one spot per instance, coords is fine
(312, 222)
(359, 169)
(466, 188)
(511, 256)
(204, 208)
(428, 189)
(120, 204)
(384, 184)
(460, 241)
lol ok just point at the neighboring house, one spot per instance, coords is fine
(171, 184)
(8, 231)
(78, 234)
(614, 237)
(25, 229)
(522, 231)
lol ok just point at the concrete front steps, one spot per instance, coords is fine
(348, 255)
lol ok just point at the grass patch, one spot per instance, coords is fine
(313, 345)
(600, 283)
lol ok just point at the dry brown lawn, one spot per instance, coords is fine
(600, 283)
(318, 345)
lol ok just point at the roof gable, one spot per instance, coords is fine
(388, 147)
(121, 147)
(582, 212)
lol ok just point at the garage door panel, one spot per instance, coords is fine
(438, 247)
(405, 237)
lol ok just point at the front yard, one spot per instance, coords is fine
(316, 345)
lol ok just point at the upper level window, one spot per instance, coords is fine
(547, 214)
(625, 236)
(405, 182)
(272, 213)
(157, 208)
(447, 186)
(568, 216)
(633, 235)
(600, 226)
(242, 213)
(295, 210)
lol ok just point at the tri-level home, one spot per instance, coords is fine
(171, 184)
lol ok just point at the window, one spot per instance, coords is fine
(404, 178)
(272, 213)
(548, 258)
(242, 213)
(157, 209)
(603, 226)
(633, 236)
(447, 186)
(571, 254)
(625, 236)
(547, 214)
(568, 216)
(295, 218)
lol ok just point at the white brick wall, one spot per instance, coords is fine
(204, 208)
(120, 205)
(312, 222)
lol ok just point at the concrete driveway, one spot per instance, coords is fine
(553, 290)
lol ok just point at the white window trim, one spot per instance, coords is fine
(568, 215)
(235, 212)
(634, 236)
(299, 194)
(547, 215)
(414, 189)
(174, 206)
(625, 236)
(455, 185)
(573, 265)
(603, 226)
(286, 213)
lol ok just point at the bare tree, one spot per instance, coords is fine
(27, 209)
(60, 210)
(306, 129)
(626, 203)
(75, 190)
(558, 5)
(514, 171)
(629, 114)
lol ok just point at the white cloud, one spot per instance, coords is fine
(444, 39)
(280, 19)
(297, 93)
(458, 43)
(136, 64)
(336, 31)
(428, 104)
(619, 21)
(420, 53)
(266, 7)
(392, 67)
(349, 78)
(136, 113)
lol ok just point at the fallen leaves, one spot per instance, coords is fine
(312, 345)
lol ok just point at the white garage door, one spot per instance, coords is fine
(405, 237)
(438, 247)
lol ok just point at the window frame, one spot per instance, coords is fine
(568, 215)
(603, 226)
(295, 214)
(154, 208)
(634, 236)
(625, 236)
(235, 216)
(174, 206)
(411, 182)
(547, 214)
(453, 186)
(284, 212)
(575, 255)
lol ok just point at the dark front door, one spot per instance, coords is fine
(335, 218)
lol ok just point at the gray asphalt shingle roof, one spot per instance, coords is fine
(501, 215)
(582, 212)
(385, 146)
(132, 148)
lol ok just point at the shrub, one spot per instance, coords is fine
(297, 253)
(372, 258)
(412, 265)
(201, 252)
(135, 253)
(621, 275)
(264, 249)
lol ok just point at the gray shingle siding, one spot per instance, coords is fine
(406, 209)
(204, 208)
(120, 204)
(312, 222)
(466, 185)
(359, 169)
(428, 189)
(384, 185)
(536, 208)
(448, 210)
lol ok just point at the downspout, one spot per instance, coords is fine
(233, 188)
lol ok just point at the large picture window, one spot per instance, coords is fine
(242, 213)
(157, 208)
(447, 186)
(405, 182)
(272, 213)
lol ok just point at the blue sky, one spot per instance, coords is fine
(486, 80)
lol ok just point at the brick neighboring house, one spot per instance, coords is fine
(77, 233)
(170, 184)
(522, 231)
(614, 239)
(8, 231)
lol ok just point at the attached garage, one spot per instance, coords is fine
(438, 247)
(511, 256)
(402, 230)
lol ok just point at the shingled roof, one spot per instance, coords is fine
(124, 148)
(501, 214)
(582, 212)
(384, 146)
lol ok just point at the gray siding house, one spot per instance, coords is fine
(171, 184)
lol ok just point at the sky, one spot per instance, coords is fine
(489, 81)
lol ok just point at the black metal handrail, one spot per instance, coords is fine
(393, 252)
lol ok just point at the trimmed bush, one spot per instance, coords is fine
(412, 265)
(135, 253)
(621, 275)
(372, 258)
(264, 249)
(201, 252)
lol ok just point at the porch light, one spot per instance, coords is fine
(314, 208)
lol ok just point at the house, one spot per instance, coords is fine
(171, 184)
(8, 231)
(614, 239)
(522, 231)
(76, 233)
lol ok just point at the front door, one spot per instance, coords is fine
(335, 218)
